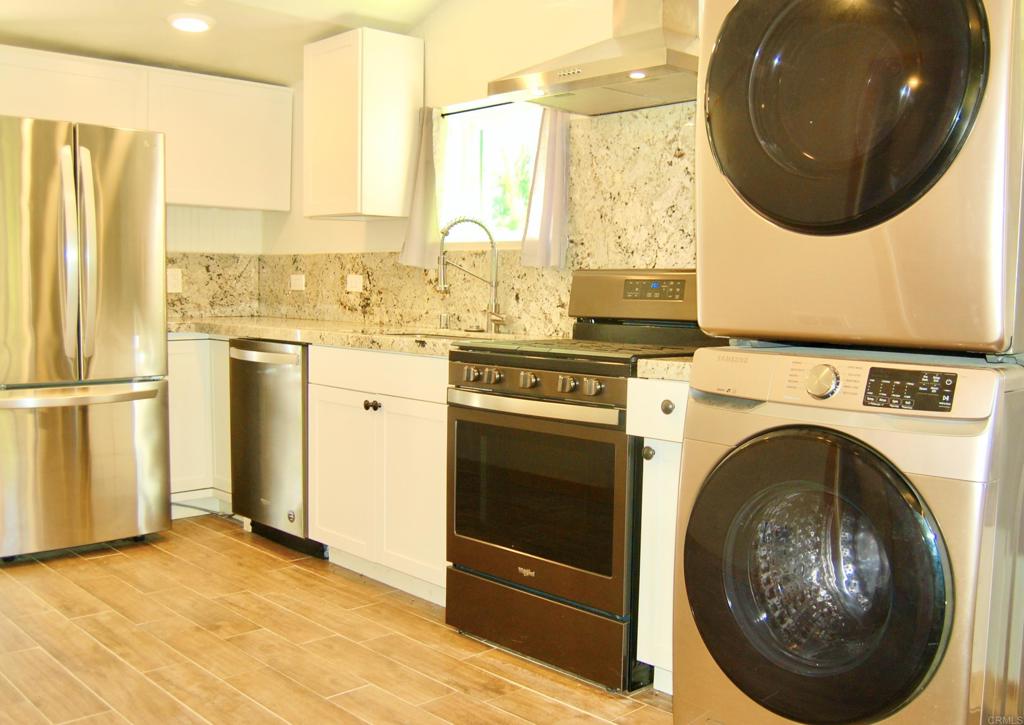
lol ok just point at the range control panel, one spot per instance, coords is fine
(910, 389)
(653, 289)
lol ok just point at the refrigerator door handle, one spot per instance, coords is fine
(76, 397)
(69, 211)
(90, 298)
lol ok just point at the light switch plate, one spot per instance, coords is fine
(174, 281)
(354, 283)
(298, 282)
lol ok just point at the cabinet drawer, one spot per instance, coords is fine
(645, 415)
(419, 377)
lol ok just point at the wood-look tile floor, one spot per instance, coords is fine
(208, 623)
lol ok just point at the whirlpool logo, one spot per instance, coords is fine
(530, 572)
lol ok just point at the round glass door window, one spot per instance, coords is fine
(817, 578)
(831, 116)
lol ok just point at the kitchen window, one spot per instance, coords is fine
(485, 169)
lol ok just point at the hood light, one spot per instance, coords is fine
(190, 23)
(637, 75)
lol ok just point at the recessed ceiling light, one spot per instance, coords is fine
(637, 75)
(190, 23)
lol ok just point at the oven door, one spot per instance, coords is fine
(539, 496)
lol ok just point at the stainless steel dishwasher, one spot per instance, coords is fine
(268, 437)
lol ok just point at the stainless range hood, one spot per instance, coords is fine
(650, 60)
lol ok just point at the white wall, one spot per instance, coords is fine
(472, 42)
(219, 231)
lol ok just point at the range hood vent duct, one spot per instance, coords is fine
(650, 60)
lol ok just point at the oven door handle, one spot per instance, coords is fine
(537, 408)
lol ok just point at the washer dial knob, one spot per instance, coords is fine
(822, 381)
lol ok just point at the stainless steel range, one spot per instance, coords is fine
(544, 484)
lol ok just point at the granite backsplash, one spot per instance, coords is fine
(631, 205)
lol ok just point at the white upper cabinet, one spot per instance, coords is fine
(362, 94)
(228, 142)
(37, 84)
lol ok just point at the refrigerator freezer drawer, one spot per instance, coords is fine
(82, 465)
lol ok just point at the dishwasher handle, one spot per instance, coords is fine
(265, 358)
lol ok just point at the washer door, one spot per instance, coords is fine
(817, 578)
(831, 116)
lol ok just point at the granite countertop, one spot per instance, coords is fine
(667, 368)
(418, 340)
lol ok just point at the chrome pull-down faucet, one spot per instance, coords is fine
(494, 318)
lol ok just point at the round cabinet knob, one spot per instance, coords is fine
(647, 453)
(566, 384)
(366, 405)
(493, 376)
(470, 374)
(592, 386)
(527, 379)
(667, 407)
(822, 381)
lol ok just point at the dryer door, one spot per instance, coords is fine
(817, 578)
(831, 116)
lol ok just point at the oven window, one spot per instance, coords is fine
(547, 495)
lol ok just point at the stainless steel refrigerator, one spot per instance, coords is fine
(83, 335)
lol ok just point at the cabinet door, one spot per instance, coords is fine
(228, 142)
(413, 460)
(38, 84)
(343, 473)
(188, 377)
(220, 404)
(657, 553)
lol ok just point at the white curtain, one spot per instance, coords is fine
(422, 235)
(546, 237)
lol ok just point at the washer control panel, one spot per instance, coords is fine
(910, 389)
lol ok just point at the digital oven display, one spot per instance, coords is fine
(653, 289)
(910, 390)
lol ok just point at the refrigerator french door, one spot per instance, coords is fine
(83, 351)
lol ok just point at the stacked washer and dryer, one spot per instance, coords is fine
(850, 515)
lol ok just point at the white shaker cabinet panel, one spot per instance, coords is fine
(220, 404)
(189, 395)
(40, 84)
(656, 410)
(362, 94)
(228, 142)
(343, 471)
(413, 459)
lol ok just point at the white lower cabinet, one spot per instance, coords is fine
(656, 409)
(377, 465)
(198, 411)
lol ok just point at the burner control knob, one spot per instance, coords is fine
(592, 386)
(527, 379)
(493, 376)
(470, 374)
(822, 381)
(566, 384)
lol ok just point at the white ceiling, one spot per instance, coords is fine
(254, 39)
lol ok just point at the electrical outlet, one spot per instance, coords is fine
(354, 283)
(174, 281)
(298, 282)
